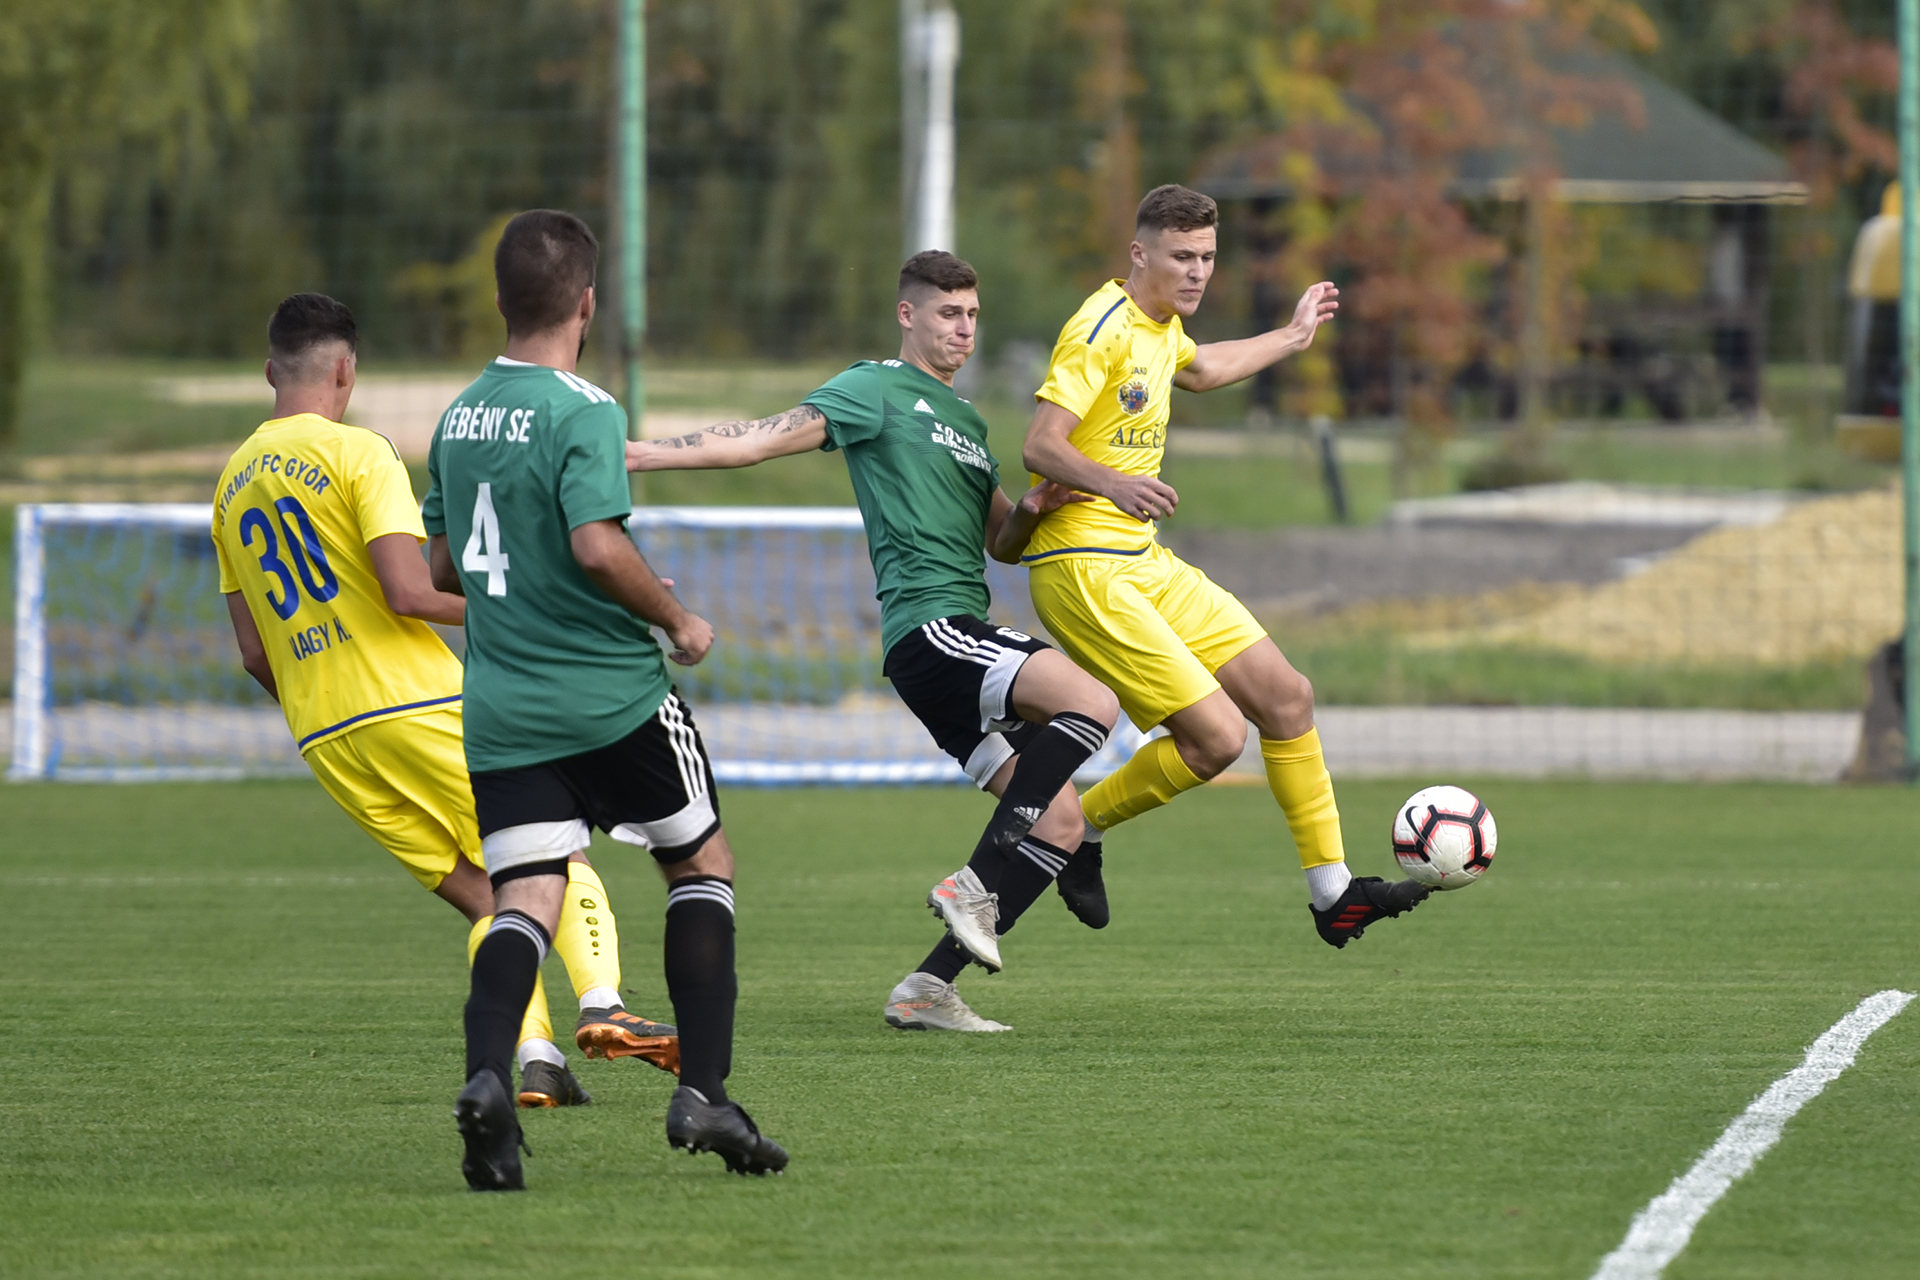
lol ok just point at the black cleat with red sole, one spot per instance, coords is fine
(1367, 898)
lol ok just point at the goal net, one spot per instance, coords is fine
(125, 667)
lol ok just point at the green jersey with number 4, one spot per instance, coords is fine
(526, 455)
(924, 478)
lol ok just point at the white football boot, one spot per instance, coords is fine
(971, 913)
(924, 1003)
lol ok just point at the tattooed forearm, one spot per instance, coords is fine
(778, 424)
(732, 444)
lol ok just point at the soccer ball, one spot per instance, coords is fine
(1444, 837)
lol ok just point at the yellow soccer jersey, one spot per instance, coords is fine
(292, 517)
(1114, 367)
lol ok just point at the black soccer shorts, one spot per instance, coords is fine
(956, 674)
(653, 788)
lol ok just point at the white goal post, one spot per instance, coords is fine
(125, 667)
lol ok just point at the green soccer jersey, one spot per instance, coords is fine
(924, 479)
(526, 455)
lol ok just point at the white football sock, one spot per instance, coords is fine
(1092, 835)
(540, 1051)
(1326, 883)
(601, 998)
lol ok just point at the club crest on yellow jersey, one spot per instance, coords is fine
(1134, 393)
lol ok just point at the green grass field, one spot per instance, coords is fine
(232, 1039)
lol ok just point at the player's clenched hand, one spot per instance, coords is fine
(1143, 497)
(691, 639)
(1048, 496)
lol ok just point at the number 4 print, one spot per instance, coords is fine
(483, 553)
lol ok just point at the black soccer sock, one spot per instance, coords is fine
(700, 980)
(1046, 764)
(505, 967)
(989, 863)
(1033, 868)
(946, 961)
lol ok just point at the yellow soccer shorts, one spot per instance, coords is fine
(1151, 627)
(405, 782)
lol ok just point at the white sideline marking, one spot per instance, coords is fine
(1661, 1230)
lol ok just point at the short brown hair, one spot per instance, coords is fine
(1176, 208)
(935, 271)
(545, 260)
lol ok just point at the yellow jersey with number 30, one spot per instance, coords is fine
(296, 507)
(1113, 367)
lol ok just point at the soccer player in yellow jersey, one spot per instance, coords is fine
(318, 538)
(1178, 650)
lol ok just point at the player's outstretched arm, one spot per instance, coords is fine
(1050, 453)
(732, 444)
(1219, 364)
(607, 555)
(407, 583)
(253, 650)
(1010, 524)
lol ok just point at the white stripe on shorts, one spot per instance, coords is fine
(994, 750)
(670, 832)
(511, 847)
(686, 747)
(957, 644)
(996, 689)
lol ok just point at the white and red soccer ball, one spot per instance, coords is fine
(1444, 837)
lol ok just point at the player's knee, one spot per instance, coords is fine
(1216, 745)
(1098, 701)
(1299, 694)
(1296, 705)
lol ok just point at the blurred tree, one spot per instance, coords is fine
(383, 137)
(77, 78)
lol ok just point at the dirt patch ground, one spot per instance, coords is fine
(1821, 582)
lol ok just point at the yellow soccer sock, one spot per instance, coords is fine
(538, 1024)
(1297, 775)
(1155, 775)
(588, 939)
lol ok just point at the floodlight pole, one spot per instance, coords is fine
(633, 214)
(929, 54)
(1910, 359)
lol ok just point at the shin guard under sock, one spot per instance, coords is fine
(588, 938)
(700, 980)
(1047, 763)
(1156, 774)
(1297, 776)
(506, 967)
